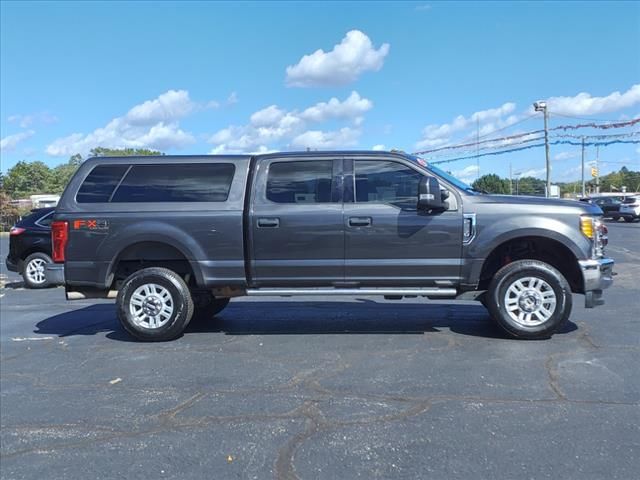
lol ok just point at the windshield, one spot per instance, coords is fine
(451, 179)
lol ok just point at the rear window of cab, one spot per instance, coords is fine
(188, 182)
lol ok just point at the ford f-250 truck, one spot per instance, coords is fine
(171, 237)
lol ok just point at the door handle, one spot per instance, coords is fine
(268, 222)
(359, 221)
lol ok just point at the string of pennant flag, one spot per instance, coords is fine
(518, 142)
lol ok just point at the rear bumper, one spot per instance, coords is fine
(597, 276)
(11, 264)
(54, 272)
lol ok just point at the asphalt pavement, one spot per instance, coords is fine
(322, 388)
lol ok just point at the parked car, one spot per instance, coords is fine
(172, 237)
(630, 208)
(610, 206)
(30, 247)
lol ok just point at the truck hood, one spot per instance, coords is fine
(538, 201)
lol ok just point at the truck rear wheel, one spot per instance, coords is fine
(529, 299)
(206, 306)
(154, 304)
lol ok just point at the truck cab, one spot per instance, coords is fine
(176, 237)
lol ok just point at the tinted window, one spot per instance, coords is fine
(195, 182)
(300, 182)
(386, 182)
(99, 184)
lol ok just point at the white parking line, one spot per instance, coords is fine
(29, 339)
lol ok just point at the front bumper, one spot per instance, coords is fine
(597, 275)
(54, 272)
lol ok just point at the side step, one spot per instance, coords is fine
(288, 292)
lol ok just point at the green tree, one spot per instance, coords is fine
(27, 178)
(491, 183)
(61, 175)
(530, 186)
(123, 152)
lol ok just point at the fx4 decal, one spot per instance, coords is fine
(90, 224)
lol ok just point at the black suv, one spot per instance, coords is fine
(610, 206)
(30, 247)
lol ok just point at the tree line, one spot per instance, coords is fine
(30, 178)
(612, 182)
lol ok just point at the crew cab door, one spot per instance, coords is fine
(388, 240)
(295, 222)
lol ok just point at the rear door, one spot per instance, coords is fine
(388, 241)
(296, 227)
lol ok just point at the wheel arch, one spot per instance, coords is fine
(545, 248)
(159, 252)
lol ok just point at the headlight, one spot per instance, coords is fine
(596, 231)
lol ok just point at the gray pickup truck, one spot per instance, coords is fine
(174, 237)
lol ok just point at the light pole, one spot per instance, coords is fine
(584, 191)
(542, 107)
(518, 174)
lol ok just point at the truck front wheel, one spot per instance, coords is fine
(154, 304)
(529, 299)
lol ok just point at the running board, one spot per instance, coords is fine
(288, 292)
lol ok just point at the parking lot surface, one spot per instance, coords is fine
(322, 388)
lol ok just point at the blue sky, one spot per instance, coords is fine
(230, 77)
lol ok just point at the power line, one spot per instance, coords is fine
(554, 114)
(559, 127)
(473, 144)
(527, 147)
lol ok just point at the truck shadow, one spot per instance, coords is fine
(301, 318)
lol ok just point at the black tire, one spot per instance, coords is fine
(180, 303)
(629, 219)
(206, 306)
(33, 270)
(554, 285)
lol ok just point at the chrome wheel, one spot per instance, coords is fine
(151, 306)
(530, 301)
(35, 271)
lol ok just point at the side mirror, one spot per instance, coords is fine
(429, 194)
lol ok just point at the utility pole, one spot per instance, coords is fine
(510, 180)
(542, 107)
(584, 193)
(597, 169)
(478, 148)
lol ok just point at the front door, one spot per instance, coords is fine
(297, 233)
(388, 241)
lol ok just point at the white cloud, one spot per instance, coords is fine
(585, 104)
(319, 140)
(354, 55)
(10, 142)
(466, 171)
(378, 147)
(532, 172)
(273, 124)
(25, 121)
(435, 135)
(566, 155)
(168, 107)
(467, 174)
(353, 107)
(151, 124)
(425, 7)
(232, 99)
